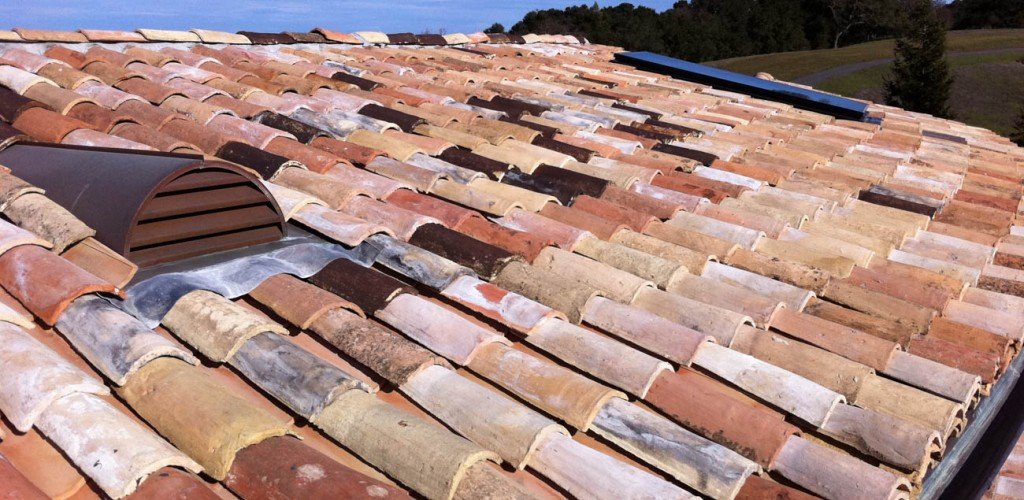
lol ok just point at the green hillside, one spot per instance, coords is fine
(987, 66)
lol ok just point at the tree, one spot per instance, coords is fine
(495, 28)
(1017, 135)
(920, 79)
(703, 30)
(971, 14)
(850, 14)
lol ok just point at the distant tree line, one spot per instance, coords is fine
(704, 30)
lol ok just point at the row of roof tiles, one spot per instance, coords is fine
(590, 247)
(317, 35)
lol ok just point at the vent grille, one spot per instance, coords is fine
(199, 213)
(153, 208)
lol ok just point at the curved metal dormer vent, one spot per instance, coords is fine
(153, 208)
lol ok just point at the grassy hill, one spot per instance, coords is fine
(988, 89)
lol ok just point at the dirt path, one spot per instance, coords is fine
(815, 79)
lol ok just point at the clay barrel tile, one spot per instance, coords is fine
(172, 483)
(796, 395)
(316, 160)
(153, 138)
(738, 299)
(303, 132)
(672, 341)
(464, 405)
(76, 59)
(338, 37)
(423, 456)
(117, 344)
(914, 317)
(848, 342)
(264, 163)
(114, 450)
(617, 284)
(35, 377)
(360, 155)
(709, 319)
(565, 295)
(487, 260)
(111, 36)
(101, 261)
(564, 192)
(25, 60)
(31, 35)
(258, 38)
(893, 398)
(66, 76)
(587, 473)
(370, 289)
(47, 126)
(431, 39)
(12, 105)
(293, 376)
(92, 138)
(99, 118)
(708, 407)
(508, 308)
(438, 328)
(472, 161)
(210, 36)
(307, 37)
(287, 467)
(114, 75)
(214, 325)
(57, 282)
(609, 360)
(558, 391)
(381, 350)
(421, 178)
(417, 264)
(830, 473)
(219, 423)
(147, 114)
(951, 353)
(12, 188)
(521, 243)
(150, 57)
(279, 293)
(449, 214)
(764, 488)
(168, 35)
(563, 235)
(795, 274)
(697, 462)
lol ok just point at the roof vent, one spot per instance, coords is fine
(152, 208)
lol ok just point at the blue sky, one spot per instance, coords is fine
(280, 15)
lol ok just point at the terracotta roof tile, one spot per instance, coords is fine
(774, 201)
(46, 298)
(12, 105)
(210, 36)
(168, 35)
(338, 37)
(33, 35)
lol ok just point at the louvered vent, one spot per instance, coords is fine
(202, 212)
(152, 207)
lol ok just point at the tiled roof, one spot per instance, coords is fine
(513, 268)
